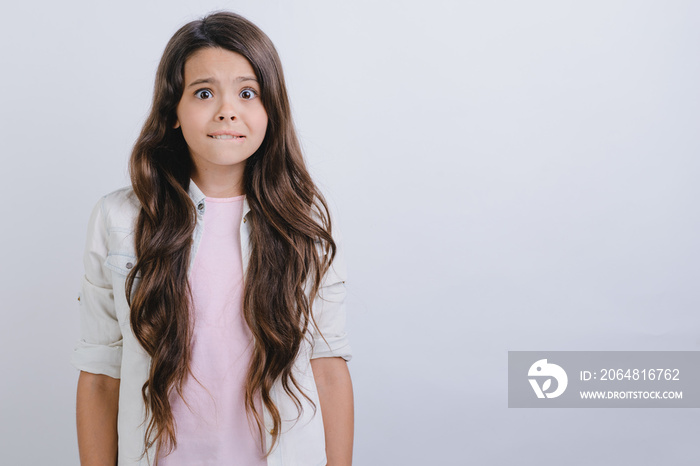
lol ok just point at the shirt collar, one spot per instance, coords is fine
(198, 196)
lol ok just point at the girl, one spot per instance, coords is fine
(212, 306)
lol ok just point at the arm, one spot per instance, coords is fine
(335, 394)
(330, 353)
(97, 406)
(98, 354)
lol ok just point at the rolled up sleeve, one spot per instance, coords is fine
(99, 350)
(330, 337)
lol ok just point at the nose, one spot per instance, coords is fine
(227, 111)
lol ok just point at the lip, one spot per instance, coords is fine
(229, 133)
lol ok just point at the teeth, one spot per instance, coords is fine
(226, 136)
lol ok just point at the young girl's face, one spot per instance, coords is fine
(220, 112)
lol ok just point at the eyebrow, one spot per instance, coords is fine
(214, 81)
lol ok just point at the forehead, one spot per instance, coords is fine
(216, 62)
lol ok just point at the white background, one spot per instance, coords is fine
(508, 175)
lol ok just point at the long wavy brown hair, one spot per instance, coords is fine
(291, 242)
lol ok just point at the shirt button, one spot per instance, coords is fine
(200, 206)
(244, 220)
(129, 265)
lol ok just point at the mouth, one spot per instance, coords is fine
(225, 136)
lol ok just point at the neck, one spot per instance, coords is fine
(220, 183)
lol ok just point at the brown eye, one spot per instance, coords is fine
(203, 94)
(248, 94)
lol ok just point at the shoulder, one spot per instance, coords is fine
(338, 270)
(119, 208)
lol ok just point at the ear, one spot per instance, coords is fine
(177, 124)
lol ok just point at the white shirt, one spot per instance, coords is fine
(108, 345)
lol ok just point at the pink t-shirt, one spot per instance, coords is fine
(216, 430)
